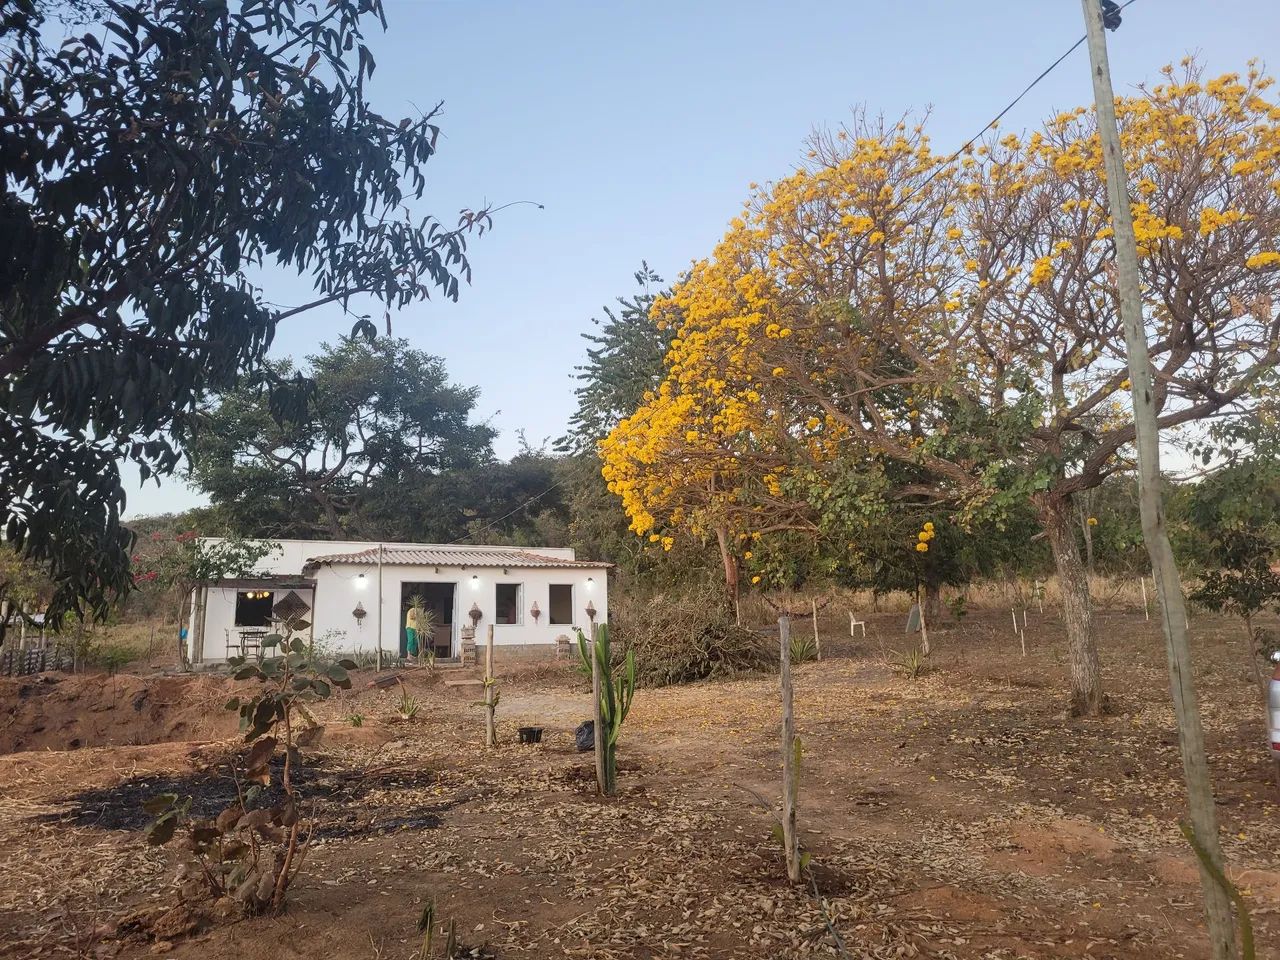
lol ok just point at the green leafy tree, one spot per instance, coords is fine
(867, 518)
(24, 588)
(1231, 532)
(151, 168)
(382, 417)
(624, 360)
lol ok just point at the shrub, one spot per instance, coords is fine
(689, 636)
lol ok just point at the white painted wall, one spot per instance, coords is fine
(220, 618)
(339, 588)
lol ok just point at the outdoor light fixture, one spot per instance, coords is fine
(361, 581)
(591, 582)
(475, 583)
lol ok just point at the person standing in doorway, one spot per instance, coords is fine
(411, 630)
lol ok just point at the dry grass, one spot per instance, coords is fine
(1109, 593)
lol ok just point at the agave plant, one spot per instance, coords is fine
(803, 649)
(912, 664)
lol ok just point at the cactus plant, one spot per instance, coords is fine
(616, 694)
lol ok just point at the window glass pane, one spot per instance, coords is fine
(561, 604)
(253, 608)
(507, 603)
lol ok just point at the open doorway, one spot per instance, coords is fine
(437, 598)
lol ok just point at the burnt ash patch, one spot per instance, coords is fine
(338, 797)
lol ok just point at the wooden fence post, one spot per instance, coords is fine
(790, 842)
(817, 640)
(597, 682)
(490, 729)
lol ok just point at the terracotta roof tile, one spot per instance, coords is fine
(453, 557)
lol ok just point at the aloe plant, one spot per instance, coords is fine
(616, 694)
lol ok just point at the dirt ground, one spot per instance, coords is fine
(963, 814)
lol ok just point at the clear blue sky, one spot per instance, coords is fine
(640, 125)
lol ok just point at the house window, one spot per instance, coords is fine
(253, 608)
(561, 604)
(506, 602)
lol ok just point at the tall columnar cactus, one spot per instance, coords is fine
(616, 694)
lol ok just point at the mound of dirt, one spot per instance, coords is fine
(59, 712)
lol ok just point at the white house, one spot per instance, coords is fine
(354, 594)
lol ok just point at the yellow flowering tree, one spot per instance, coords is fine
(961, 319)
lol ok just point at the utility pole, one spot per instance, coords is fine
(1173, 614)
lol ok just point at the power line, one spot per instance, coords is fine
(493, 523)
(1020, 97)
(1110, 13)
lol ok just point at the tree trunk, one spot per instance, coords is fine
(1256, 660)
(1077, 607)
(1083, 512)
(331, 519)
(1263, 679)
(933, 603)
(730, 566)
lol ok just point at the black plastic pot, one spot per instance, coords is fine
(530, 734)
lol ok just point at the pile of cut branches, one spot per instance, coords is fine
(687, 636)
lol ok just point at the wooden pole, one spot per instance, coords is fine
(924, 628)
(790, 841)
(378, 666)
(490, 730)
(1146, 607)
(194, 649)
(817, 640)
(597, 682)
(1173, 615)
